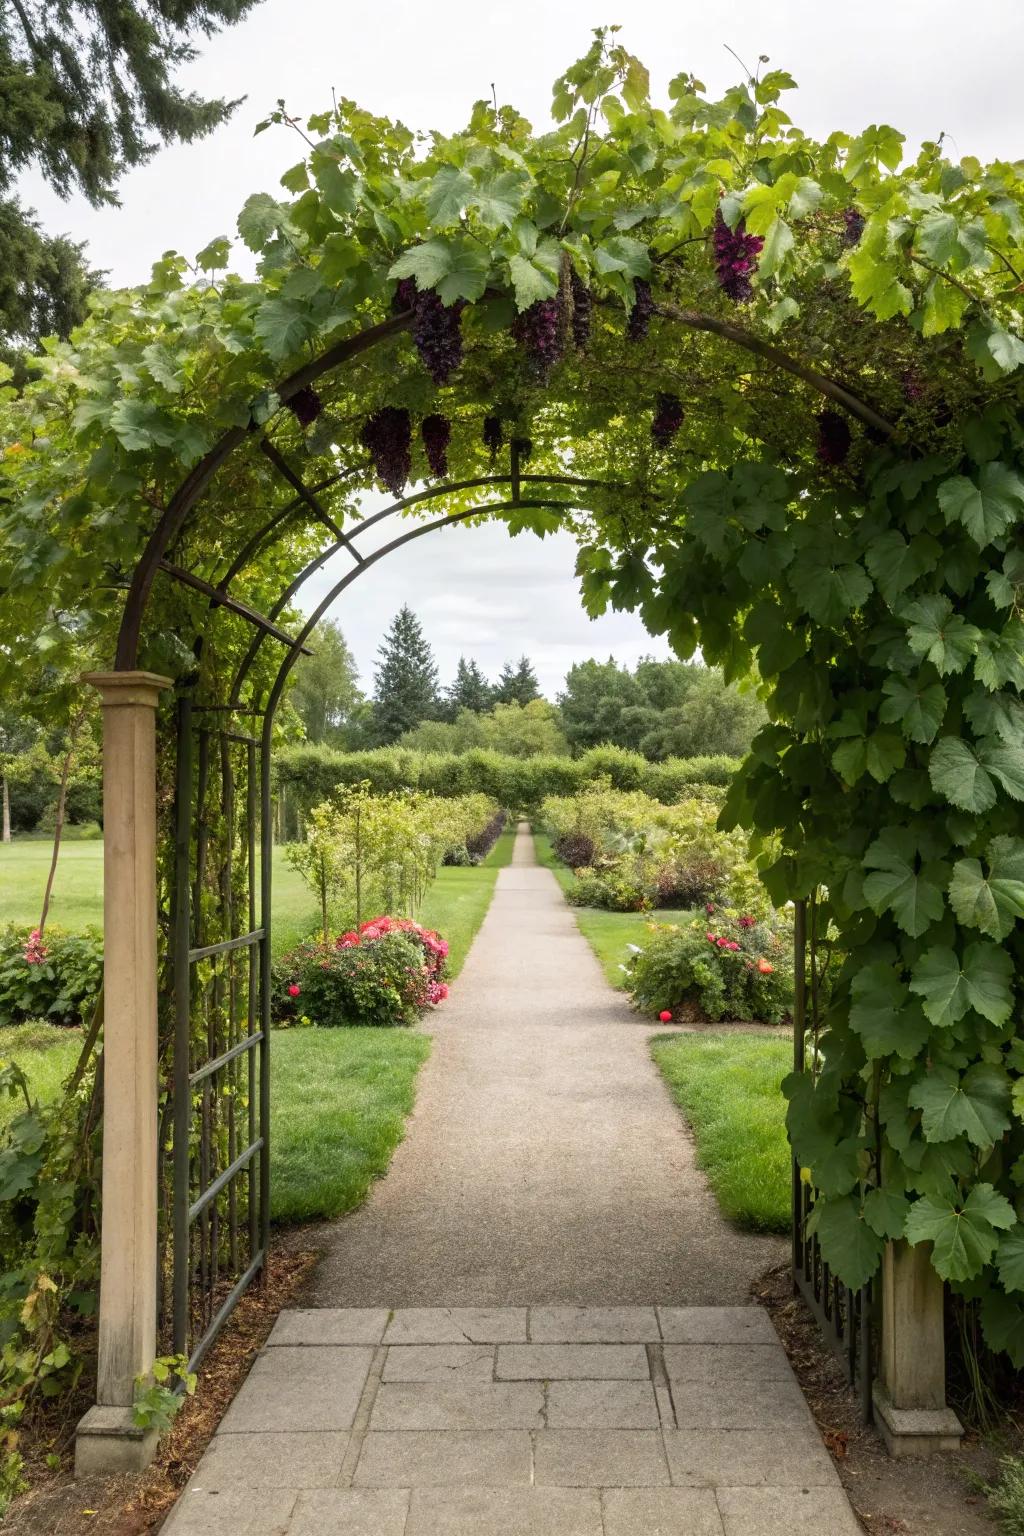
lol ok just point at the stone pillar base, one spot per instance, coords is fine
(915, 1431)
(108, 1441)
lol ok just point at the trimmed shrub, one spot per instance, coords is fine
(383, 974)
(723, 966)
(58, 979)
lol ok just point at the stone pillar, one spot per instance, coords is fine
(108, 1441)
(910, 1393)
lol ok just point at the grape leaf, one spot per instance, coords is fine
(1000, 657)
(885, 1211)
(948, 990)
(975, 1105)
(456, 268)
(1002, 1322)
(994, 902)
(919, 708)
(998, 714)
(1007, 764)
(1010, 1259)
(283, 325)
(914, 897)
(896, 565)
(449, 193)
(531, 281)
(956, 773)
(884, 753)
(986, 506)
(882, 1015)
(942, 637)
(964, 1236)
(848, 1245)
(829, 593)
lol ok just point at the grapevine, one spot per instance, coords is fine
(668, 418)
(436, 432)
(493, 435)
(305, 405)
(736, 255)
(387, 434)
(537, 332)
(582, 305)
(639, 322)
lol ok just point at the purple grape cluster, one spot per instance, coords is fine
(913, 385)
(437, 332)
(538, 332)
(639, 322)
(668, 418)
(387, 434)
(582, 304)
(436, 432)
(436, 328)
(736, 255)
(833, 438)
(854, 221)
(493, 435)
(305, 405)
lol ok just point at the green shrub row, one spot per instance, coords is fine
(307, 775)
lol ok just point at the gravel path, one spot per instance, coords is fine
(545, 1161)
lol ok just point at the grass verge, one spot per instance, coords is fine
(339, 1100)
(609, 934)
(728, 1087)
(45, 1053)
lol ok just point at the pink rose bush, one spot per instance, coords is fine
(741, 968)
(388, 971)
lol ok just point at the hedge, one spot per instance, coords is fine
(308, 775)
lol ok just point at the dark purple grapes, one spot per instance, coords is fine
(436, 328)
(639, 322)
(523, 446)
(736, 255)
(437, 332)
(493, 435)
(833, 438)
(305, 405)
(538, 331)
(436, 432)
(582, 304)
(854, 221)
(387, 434)
(668, 418)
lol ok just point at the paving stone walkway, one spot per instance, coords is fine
(514, 1421)
(539, 1324)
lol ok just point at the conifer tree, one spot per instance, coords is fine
(86, 93)
(470, 690)
(405, 679)
(517, 683)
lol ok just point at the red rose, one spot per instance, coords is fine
(665, 1016)
(294, 990)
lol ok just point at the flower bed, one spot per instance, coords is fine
(386, 972)
(724, 965)
(57, 978)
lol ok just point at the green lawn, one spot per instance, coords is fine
(609, 934)
(339, 1098)
(46, 1055)
(728, 1087)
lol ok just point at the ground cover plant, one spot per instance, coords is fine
(729, 1088)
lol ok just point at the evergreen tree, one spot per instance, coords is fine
(405, 680)
(324, 690)
(517, 684)
(85, 94)
(470, 690)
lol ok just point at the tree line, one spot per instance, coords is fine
(658, 708)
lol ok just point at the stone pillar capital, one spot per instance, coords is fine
(117, 689)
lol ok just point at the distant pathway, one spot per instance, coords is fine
(545, 1160)
(505, 1341)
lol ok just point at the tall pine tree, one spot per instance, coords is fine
(86, 93)
(405, 680)
(517, 684)
(470, 690)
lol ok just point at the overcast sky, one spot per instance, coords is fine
(926, 66)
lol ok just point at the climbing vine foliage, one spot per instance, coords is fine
(790, 371)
